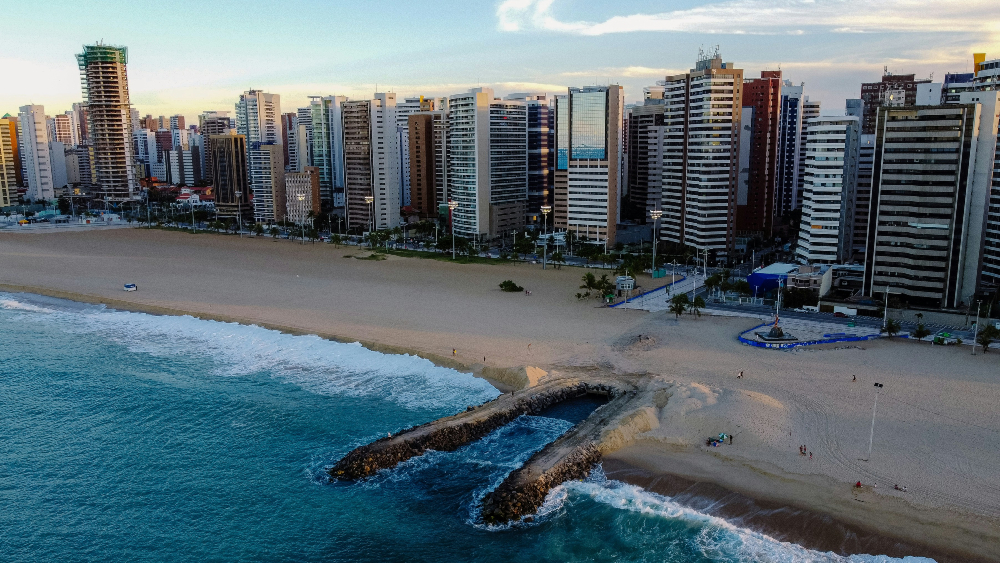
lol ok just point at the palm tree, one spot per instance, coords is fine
(891, 327)
(679, 304)
(258, 229)
(275, 232)
(921, 332)
(697, 306)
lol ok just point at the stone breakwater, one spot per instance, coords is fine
(571, 457)
(453, 432)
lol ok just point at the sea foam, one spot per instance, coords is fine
(717, 539)
(313, 363)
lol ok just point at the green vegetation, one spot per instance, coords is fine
(891, 327)
(678, 304)
(921, 331)
(697, 305)
(603, 286)
(986, 337)
(510, 287)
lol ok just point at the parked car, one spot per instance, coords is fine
(840, 315)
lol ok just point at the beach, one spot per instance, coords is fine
(937, 423)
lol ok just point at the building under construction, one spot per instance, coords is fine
(109, 116)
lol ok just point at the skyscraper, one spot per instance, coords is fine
(267, 181)
(63, 129)
(288, 137)
(894, 90)
(931, 254)
(810, 111)
(789, 146)
(302, 194)
(827, 228)
(428, 148)
(755, 205)
(371, 161)
(487, 163)
(35, 156)
(700, 155)
(109, 115)
(13, 127)
(229, 175)
(642, 173)
(211, 123)
(258, 117)
(863, 197)
(8, 176)
(326, 152)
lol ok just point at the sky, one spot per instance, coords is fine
(189, 56)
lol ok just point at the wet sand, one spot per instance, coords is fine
(937, 431)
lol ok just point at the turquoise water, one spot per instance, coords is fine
(131, 437)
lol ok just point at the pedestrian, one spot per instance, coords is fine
(454, 351)
(810, 456)
(484, 359)
(730, 439)
(854, 378)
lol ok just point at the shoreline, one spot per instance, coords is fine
(739, 497)
(937, 428)
(778, 516)
(486, 373)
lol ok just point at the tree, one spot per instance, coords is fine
(891, 327)
(678, 304)
(336, 240)
(921, 332)
(557, 259)
(275, 232)
(64, 206)
(697, 305)
(510, 287)
(986, 337)
(258, 229)
(523, 246)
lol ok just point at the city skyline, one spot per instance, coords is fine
(211, 59)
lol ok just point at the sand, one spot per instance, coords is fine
(936, 431)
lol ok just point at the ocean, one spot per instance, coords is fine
(133, 437)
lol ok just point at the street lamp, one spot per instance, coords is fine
(239, 211)
(371, 217)
(975, 334)
(545, 223)
(871, 436)
(655, 214)
(302, 223)
(452, 206)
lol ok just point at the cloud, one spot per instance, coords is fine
(771, 17)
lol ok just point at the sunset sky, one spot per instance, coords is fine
(189, 56)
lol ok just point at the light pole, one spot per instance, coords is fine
(871, 436)
(302, 223)
(975, 334)
(371, 217)
(452, 206)
(655, 214)
(239, 211)
(545, 222)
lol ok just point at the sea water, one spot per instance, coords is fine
(133, 437)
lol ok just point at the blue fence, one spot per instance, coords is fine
(781, 345)
(682, 278)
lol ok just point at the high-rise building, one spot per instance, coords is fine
(541, 152)
(177, 122)
(212, 123)
(109, 115)
(827, 229)
(371, 162)
(643, 123)
(931, 190)
(701, 156)
(810, 111)
(326, 152)
(63, 130)
(789, 147)
(266, 165)
(404, 110)
(420, 146)
(987, 74)
(428, 148)
(589, 159)
(258, 117)
(229, 175)
(11, 126)
(895, 90)
(57, 156)
(756, 193)
(863, 197)
(302, 194)
(80, 166)
(35, 154)
(487, 163)
(183, 165)
(303, 143)
(287, 137)
(8, 166)
(80, 111)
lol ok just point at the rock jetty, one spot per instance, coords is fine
(453, 432)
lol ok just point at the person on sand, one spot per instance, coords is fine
(810, 456)
(730, 439)
(854, 378)
(454, 351)
(857, 485)
(740, 376)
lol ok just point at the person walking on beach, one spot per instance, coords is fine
(740, 376)
(730, 439)
(454, 351)
(854, 378)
